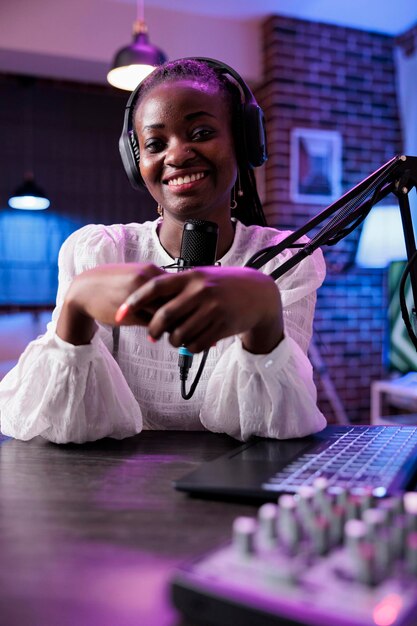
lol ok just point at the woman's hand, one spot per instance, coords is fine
(98, 293)
(199, 307)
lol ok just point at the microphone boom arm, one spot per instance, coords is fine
(353, 206)
(397, 176)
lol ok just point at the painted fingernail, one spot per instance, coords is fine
(121, 312)
(152, 339)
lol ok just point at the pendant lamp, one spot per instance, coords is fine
(29, 196)
(133, 63)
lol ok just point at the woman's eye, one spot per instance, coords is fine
(154, 145)
(200, 134)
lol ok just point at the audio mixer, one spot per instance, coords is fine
(325, 556)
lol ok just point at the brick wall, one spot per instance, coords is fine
(322, 76)
(408, 40)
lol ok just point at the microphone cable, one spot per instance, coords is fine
(198, 248)
(185, 360)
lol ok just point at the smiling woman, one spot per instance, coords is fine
(187, 157)
(192, 134)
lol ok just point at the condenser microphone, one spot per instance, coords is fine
(198, 248)
(198, 244)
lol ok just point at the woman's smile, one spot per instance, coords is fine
(185, 182)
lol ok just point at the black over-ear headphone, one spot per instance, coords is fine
(253, 137)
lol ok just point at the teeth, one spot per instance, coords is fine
(186, 179)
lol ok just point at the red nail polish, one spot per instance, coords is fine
(121, 312)
(152, 339)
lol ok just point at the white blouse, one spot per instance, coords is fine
(69, 393)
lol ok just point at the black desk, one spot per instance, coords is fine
(90, 535)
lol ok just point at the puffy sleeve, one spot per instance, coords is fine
(69, 393)
(271, 395)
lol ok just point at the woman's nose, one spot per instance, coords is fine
(178, 153)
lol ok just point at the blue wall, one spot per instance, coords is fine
(29, 246)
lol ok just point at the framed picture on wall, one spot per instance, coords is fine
(316, 165)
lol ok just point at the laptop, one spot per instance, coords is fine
(382, 459)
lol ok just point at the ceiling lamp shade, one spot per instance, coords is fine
(29, 196)
(133, 63)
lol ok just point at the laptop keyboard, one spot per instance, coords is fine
(360, 457)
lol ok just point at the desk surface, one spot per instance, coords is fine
(90, 535)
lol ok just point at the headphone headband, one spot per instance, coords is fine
(252, 125)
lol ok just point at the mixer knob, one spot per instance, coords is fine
(410, 508)
(361, 552)
(378, 534)
(411, 553)
(244, 530)
(289, 529)
(267, 522)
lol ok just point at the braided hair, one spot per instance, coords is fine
(248, 209)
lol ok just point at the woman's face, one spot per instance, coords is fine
(187, 155)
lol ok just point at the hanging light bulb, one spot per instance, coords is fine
(133, 63)
(29, 196)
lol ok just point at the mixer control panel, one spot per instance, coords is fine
(325, 556)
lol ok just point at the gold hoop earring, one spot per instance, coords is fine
(160, 210)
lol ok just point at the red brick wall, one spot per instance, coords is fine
(326, 77)
(408, 40)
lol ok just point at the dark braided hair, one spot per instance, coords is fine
(249, 207)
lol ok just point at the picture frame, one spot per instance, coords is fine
(315, 166)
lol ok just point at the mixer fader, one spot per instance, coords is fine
(322, 557)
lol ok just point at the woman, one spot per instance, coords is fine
(257, 379)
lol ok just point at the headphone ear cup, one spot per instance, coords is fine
(129, 151)
(255, 134)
